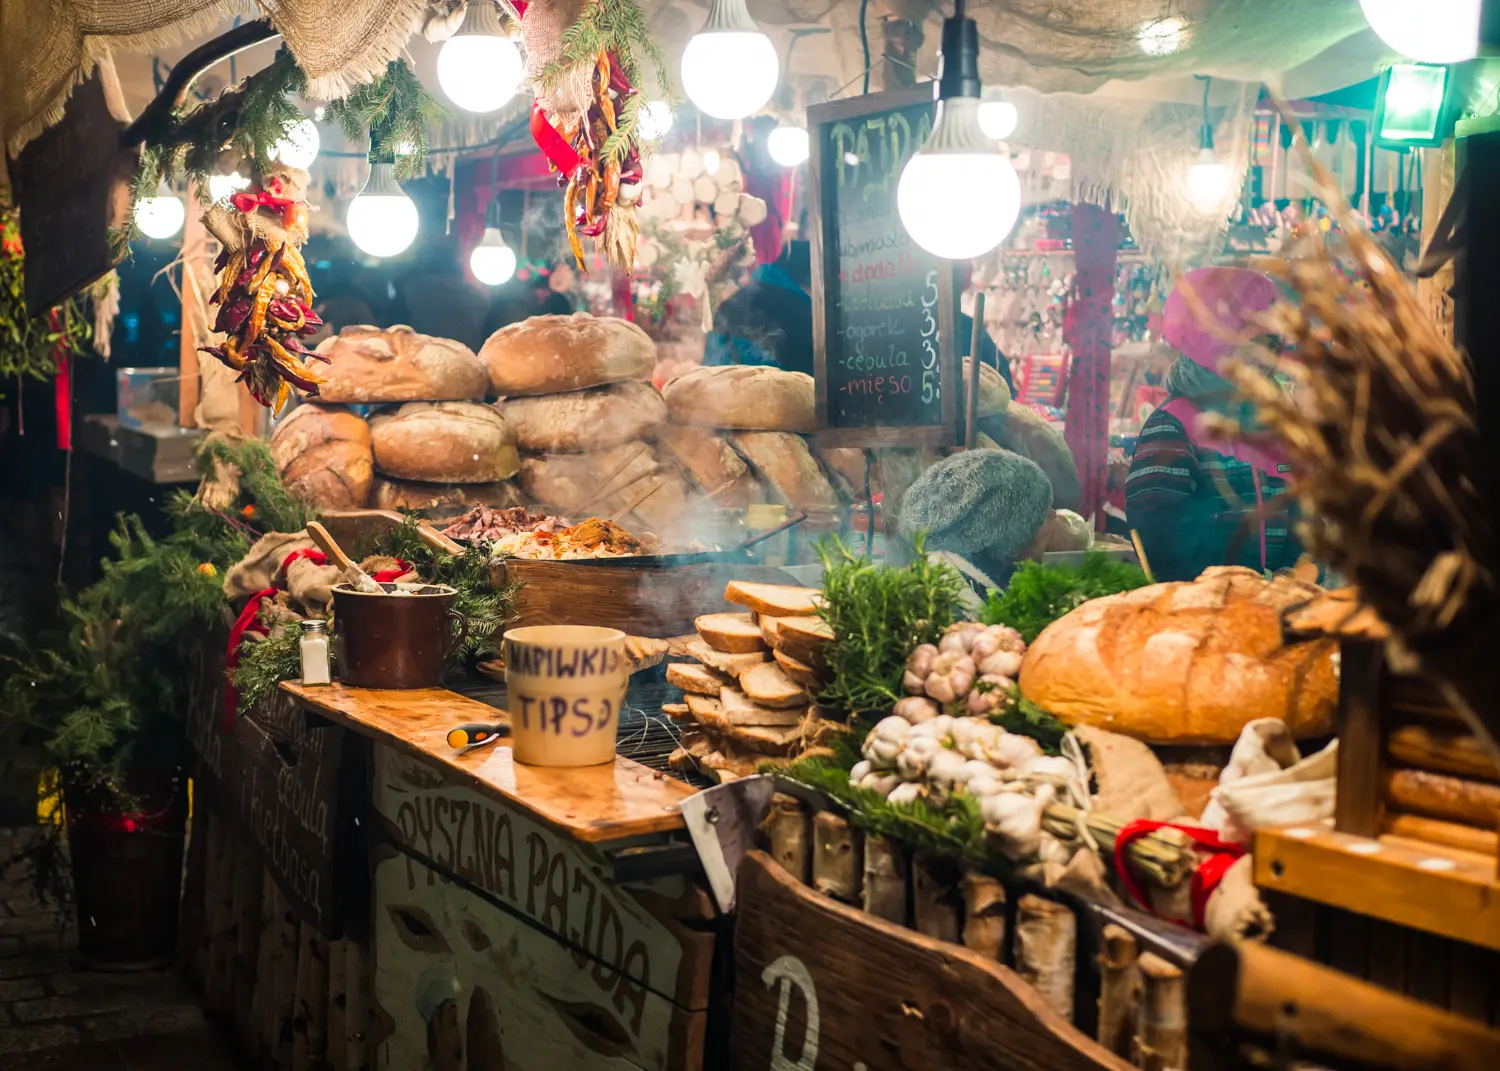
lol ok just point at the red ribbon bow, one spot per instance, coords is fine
(249, 621)
(1205, 879)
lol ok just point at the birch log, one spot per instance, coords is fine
(837, 858)
(984, 915)
(1119, 989)
(1161, 1031)
(936, 903)
(1046, 946)
(885, 880)
(789, 829)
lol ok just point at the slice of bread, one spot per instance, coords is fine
(692, 677)
(730, 633)
(769, 685)
(781, 600)
(675, 710)
(804, 639)
(774, 740)
(768, 626)
(798, 671)
(740, 709)
(732, 664)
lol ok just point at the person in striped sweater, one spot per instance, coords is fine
(1194, 498)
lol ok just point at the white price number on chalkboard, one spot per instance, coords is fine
(929, 341)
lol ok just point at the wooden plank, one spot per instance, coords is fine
(194, 252)
(1436, 831)
(1473, 976)
(593, 804)
(467, 983)
(358, 1050)
(1253, 988)
(335, 1053)
(1443, 748)
(650, 932)
(248, 877)
(284, 982)
(1439, 890)
(1361, 749)
(820, 984)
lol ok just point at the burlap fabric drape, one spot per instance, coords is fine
(47, 46)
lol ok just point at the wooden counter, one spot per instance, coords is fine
(594, 804)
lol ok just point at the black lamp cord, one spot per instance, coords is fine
(1206, 131)
(864, 43)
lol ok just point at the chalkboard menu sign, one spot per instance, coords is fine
(884, 309)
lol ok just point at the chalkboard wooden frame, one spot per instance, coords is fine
(822, 232)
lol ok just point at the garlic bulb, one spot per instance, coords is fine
(916, 709)
(909, 792)
(918, 665)
(912, 763)
(1014, 821)
(860, 770)
(952, 674)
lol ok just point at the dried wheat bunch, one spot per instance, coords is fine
(1381, 429)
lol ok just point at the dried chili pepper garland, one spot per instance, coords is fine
(264, 294)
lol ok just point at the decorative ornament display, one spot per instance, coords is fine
(586, 117)
(1432, 31)
(958, 196)
(695, 232)
(479, 67)
(264, 295)
(730, 68)
(382, 219)
(162, 214)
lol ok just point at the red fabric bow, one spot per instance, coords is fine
(248, 201)
(249, 621)
(1205, 879)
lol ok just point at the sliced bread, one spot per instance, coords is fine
(798, 671)
(768, 625)
(675, 710)
(740, 709)
(770, 686)
(691, 677)
(761, 739)
(730, 633)
(777, 599)
(732, 664)
(804, 638)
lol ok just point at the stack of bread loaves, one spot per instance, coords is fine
(574, 388)
(748, 692)
(439, 435)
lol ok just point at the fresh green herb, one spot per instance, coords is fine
(394, 112)
(1025, 718)
(879, 614)
(1038, 595)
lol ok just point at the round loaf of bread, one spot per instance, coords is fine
(1022, 430)
(395, 364)
(444, 442)
(323, 455)
(583, 420)
(550, 354)
(744, 396)
(994, 395)
(440, 499)
(786, 466)
(1187, 662)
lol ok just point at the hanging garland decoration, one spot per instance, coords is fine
(584, 118)
(394, 111)
(264, 294)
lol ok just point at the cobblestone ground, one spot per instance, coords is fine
(54, 1017)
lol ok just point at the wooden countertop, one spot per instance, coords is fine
(592, 803)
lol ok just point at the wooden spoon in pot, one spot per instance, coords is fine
(353, 574)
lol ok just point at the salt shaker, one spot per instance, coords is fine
(314, 648)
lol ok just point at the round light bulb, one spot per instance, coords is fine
(382, 220)
(654, 120)
(1208, 182)
(299, 145)
(479, 67)
(1431, 31)
(492, 261)
(788, 145)
(958, 197)
(221, 186)
(710, 160)
(998, 119)
(729, 68)
(161, 215)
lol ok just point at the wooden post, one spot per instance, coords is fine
(1358, 807)
(788, 828)
(971, 387)
(1437, 190)
(194, 255)
(885, 880)
(984, 915)
(359, 1053)
(1161, 1031)
(936, 903)
(838, 858)
(1046, 950)
(1119, 989)
(264, 998)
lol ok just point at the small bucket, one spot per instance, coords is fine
(565, 685)
(401, 639)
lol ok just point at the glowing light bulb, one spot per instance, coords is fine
(788, 145)
(1432, 31)
(160, 215)
(998, 119)
(479, 67)
(221, 186)
(710, 160)
(382, 220)
(299, 146)
(1162, 37)
(492, 261)
(1208, 182)
(729, 68)
(654, 120)
(958, 197)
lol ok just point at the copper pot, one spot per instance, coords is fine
(396, 641)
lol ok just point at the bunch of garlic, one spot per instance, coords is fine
(971, 670)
